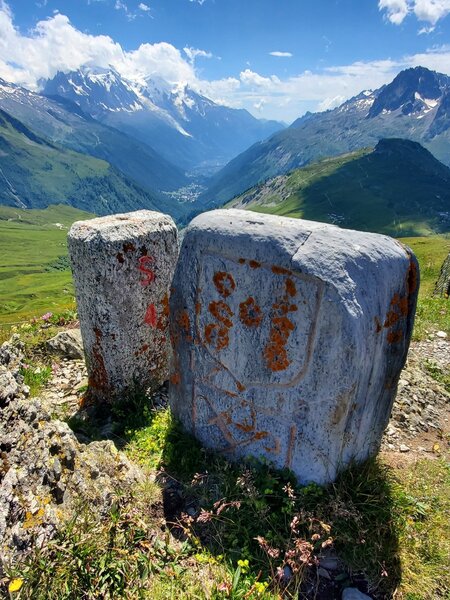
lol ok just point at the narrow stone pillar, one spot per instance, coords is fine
(289, 337)
(122, 267)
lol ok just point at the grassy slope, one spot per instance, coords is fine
(35, 173)
(30, 243)
(397, 189)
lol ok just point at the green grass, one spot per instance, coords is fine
(398, 189)
(30, 245)
(433, 313)
(248, 521)
(35, 173)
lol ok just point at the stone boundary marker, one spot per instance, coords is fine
(123, 266)
(289, 337)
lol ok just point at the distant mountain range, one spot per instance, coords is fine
(185, 128)
(398, 188)
(64, 123)
(35, 173)
(414, 106)
(105, 144)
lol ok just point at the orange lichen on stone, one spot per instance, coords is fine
(198, 308)
(242, 261)
(283, 308)
(129, 247)
(260, 435)
(291, 290)
(217, 336)
(249, 313)
(222, 312)
(175, 378)
(183, 321)
(412, 277)
(402, 304)
(224, 283)
(98, 378)
(378, 326)
(276, 356)
(163, 319)
(245, 427)
(394, 337)
(144, 348)
(392, 318)
(254, 264)
(240, 387)
(281, 271)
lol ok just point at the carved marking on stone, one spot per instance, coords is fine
(277, 321)
(146, 267)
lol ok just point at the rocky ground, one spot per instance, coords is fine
(420, 420)
(46, 474)
(40, 489)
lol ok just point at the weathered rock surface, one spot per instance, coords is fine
(123, 267)
(68, 344)
(442, 287)
(289, 337)
(45, 472)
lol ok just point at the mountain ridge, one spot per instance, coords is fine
(179, 123)
(347, 128)
(397, 188)
(36, 173)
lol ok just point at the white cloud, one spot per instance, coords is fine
(396, 10)
(251, 78)
(330, 103)
(119, 5)
(429, 11)
(281, 54)
(194, 53)
(144, 7)
(55, 44)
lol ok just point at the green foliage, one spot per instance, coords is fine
(398, 189)
(36, 173)
(438, 374)
(375, 518)
(35, 376)
(433, 313)
(236, 528)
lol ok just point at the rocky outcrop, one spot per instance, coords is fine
(46, 475)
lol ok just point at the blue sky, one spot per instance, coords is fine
(277, 58)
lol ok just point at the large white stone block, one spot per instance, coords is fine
(289, 337)
(123, 266)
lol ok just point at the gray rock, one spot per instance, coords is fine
(67, 344)
(8, 385)
(289, 337)
(46, 474)
(354, 594)
(123, 267)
